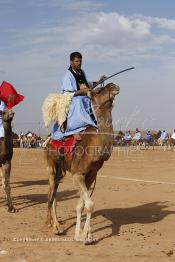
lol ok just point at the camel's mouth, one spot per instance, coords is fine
(7, 115)
(116, 91)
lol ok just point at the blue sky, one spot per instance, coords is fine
(37, 37)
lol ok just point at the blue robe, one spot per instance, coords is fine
(149, 137)
(81, 113)
(164, 136)
(2, 107)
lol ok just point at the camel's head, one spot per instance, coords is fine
(7, 115)
(103, 97)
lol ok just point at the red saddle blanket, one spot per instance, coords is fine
(69, 145)
(69, 142)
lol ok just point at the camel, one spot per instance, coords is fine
(137, 143)
(172, 144)
(6, 153)
(28, 141)
(16, 142)
(148, 143)
(118, 140)
(89, 156)
(156, 136)
(31, 141)
(164, 143)
(154, 141)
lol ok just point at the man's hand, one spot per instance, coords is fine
(83, 92)
(103, 77)
(83, 86)
(89, 92)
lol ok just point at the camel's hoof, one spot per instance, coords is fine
(77, 239)
(58, 230)
(90, 242)
(12, 210)
(48, 222)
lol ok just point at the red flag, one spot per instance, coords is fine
(9, 95)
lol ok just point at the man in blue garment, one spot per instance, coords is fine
(127, 136)
(2, 108)
(75, 78)
(164, 136)
(149, 136)
(81, 113)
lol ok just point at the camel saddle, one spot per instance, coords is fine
(68, 143)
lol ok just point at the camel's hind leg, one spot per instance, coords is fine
(53, 186)
(2, 178)
(85, 235)
(6, 180)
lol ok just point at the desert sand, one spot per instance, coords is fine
(133, 219)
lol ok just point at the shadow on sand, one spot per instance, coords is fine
(143, 214)
(29, 183)
(29, 200)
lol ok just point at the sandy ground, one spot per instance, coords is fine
(133, 220)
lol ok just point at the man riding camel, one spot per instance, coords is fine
(149, 137)
(137, 135)
(164, 136)
(127, 136)
(81, 113)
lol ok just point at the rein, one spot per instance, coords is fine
(93, 187)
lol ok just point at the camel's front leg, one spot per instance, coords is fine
(7, 188)
(79, 209)
(85, 235)
(89, 206)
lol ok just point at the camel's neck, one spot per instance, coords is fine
(105, 138)
(104, 120)
(8, 135)
(7, 128)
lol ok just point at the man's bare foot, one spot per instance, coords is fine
(62, 129)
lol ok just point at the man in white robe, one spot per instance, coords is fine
(137, 135)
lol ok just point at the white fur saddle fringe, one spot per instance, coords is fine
(55, 108)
